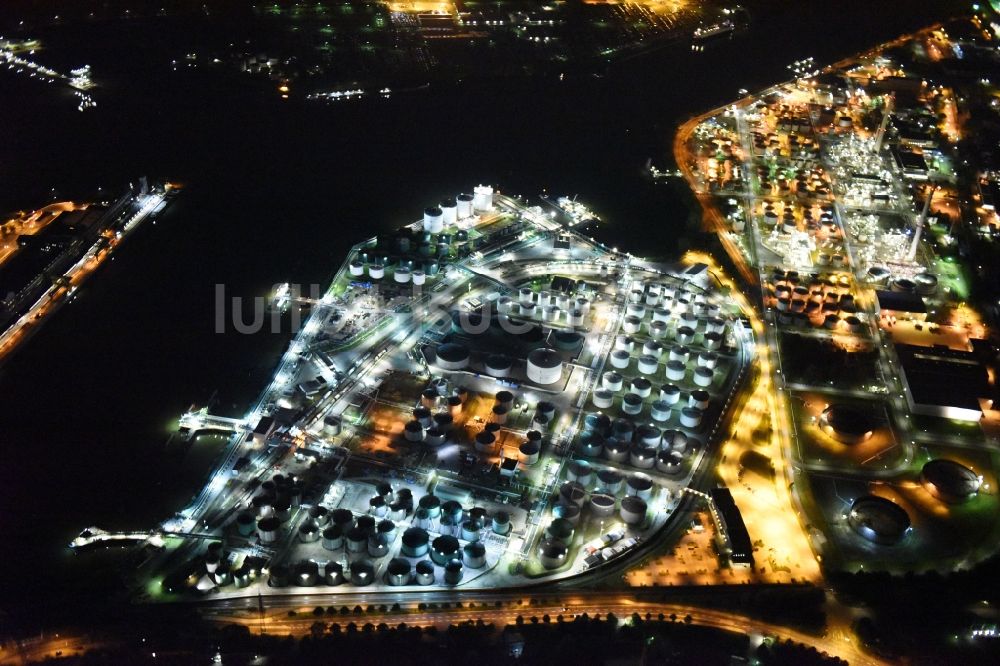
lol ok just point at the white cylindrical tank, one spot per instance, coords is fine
(591, 444)
(685, 335)
(333, 537)
(610, 481)
(624, 343)
(482, 198)
(464, 205)
(713, 341)
(641, 386)
(485, 442)
(601, 505)
(551, 313)
(639, 485)
(647, 364)
(619, 359)
(657, 329)
(632, 404)
(662, 314)
(419, 277)
(675, 371)
(498, 365)
(413, 432)
(398, 572)
(703, 376)
(631, 324)
(525, 295)
(552, 554)
(544, 366)
(660, 410)
(528, 452)
(579, 471)
(474, 555)
(603, 398)
(612, 381)
(670, 394)
(357, 268)
(633, 510)
(635, 310)
(616, 450)
(332, 425)
(435, 437)
(452, 356)
(708, 359)
(642, 457)
(449, 211)
(715, 325)
(679, 353)
(402, 274)
(652, 348)
(376, 271)
(572, 492)
(433, 220)
(424, 573)
(691, 417)
(699, 398)
(669, 462)
(647, 434)
(574, 317)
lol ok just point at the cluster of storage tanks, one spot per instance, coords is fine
(781, 216)
(363, 539)
(922, 284)
(702, 367)
(450, 210)
(666, 313)
(433, 419)
(270, 508)
(822, 300)
(403, 272)
(599, 493)
(644, 447)
(544, 365)
(552, 307)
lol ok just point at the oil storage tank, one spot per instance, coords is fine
(633, 510)
(424, 573)
(398, 572)
(333, 538)
(444, 548)
(552, 554)
(501, 523)
(474, 555)
(544, 366)
(639, 485)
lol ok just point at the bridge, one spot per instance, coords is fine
(202, 420)
(95, 536)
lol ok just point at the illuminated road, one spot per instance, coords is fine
(277, 621)
(57, 294)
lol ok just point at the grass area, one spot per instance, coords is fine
(811, 360)
(816, 446)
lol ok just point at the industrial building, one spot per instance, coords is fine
(733, 538)
(943, 382)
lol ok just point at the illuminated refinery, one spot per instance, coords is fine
(486, 398)
(730, 399)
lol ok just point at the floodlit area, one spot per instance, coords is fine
(837, 193)
(485, 398)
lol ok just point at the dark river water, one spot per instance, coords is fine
(277, 191)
